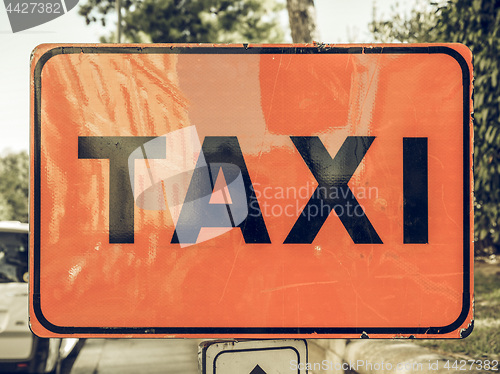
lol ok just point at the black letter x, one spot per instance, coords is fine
(333, 192)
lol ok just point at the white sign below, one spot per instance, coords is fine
(253, 356)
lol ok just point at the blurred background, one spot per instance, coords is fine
(476, 23)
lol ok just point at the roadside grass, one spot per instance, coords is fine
(484, 342)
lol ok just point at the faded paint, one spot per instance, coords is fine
(262, 99)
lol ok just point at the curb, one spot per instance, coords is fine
(380, 357)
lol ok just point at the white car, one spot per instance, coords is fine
(20, 349)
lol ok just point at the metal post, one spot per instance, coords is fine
(119, 25)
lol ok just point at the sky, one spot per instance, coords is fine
(338, 21)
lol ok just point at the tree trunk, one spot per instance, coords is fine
(302, 16)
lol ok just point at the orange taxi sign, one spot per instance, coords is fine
(251, 191)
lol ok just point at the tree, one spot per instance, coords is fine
(14, 181)
(302, 16)
(191, 21)
(476, 23)
(415, 27)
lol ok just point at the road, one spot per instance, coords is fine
(132, 356)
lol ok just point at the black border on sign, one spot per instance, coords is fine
(245, 49)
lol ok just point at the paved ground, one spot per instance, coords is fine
(133, 356)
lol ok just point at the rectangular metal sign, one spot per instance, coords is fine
(284, 356)
(251, 191)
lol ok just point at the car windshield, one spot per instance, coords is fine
(13, 257)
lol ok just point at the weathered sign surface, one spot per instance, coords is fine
(251, 191)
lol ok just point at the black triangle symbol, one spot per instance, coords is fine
(257, 370)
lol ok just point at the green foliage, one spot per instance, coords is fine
(191, 21)
(475, 23)
(401, 27)
(14, 182)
